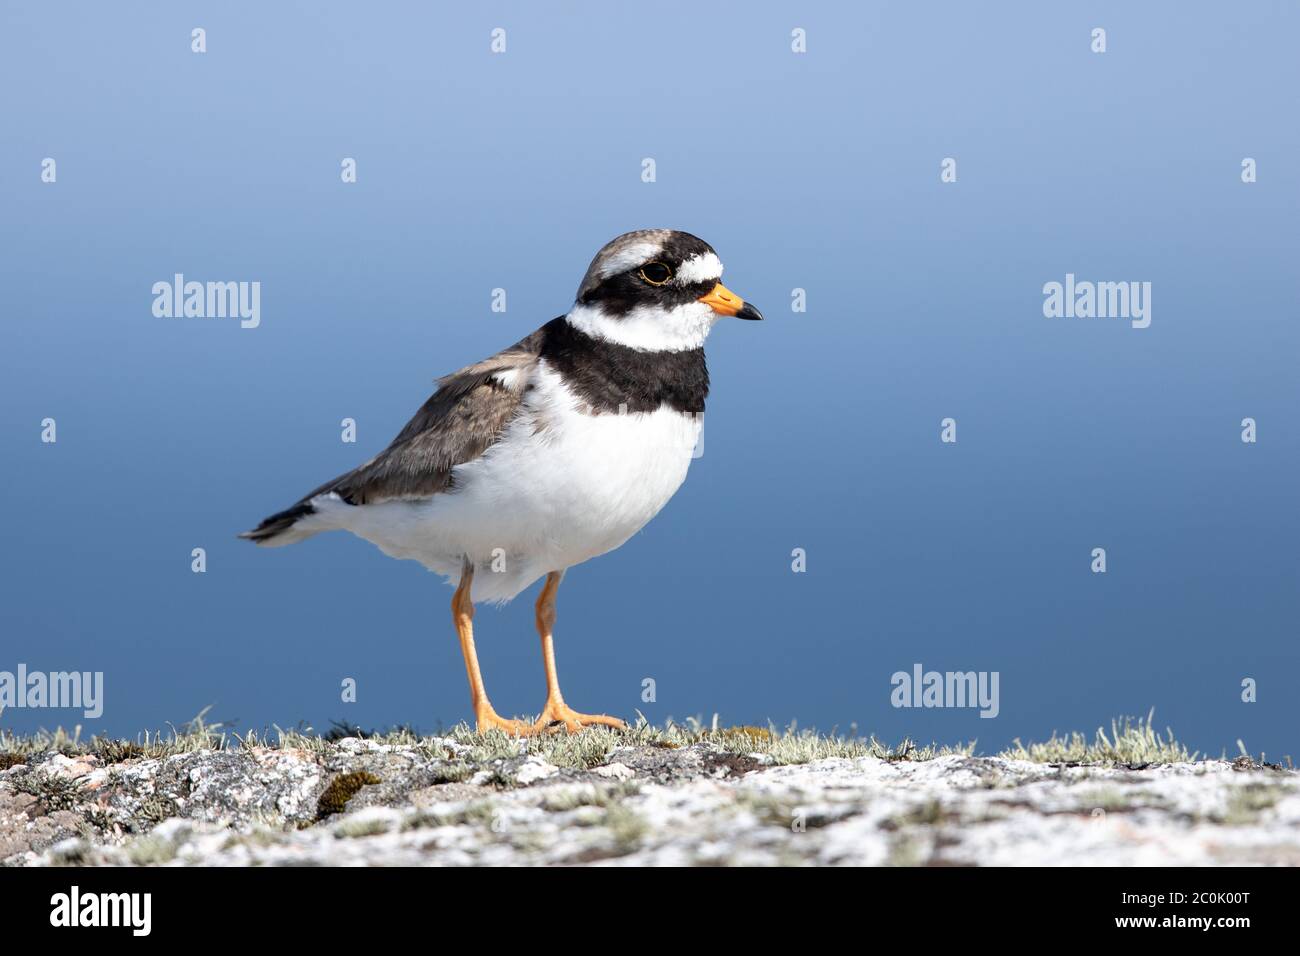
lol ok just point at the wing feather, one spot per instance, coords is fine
(461, 420)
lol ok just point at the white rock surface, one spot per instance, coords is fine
(644, 806)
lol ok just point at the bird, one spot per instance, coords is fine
(552, 452)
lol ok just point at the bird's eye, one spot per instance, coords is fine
(656, 273)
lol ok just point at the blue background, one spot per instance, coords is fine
(818, 171)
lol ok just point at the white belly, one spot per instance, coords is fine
(559, 487)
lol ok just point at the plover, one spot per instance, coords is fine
(547, 454)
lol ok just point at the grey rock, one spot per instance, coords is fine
(355, 801)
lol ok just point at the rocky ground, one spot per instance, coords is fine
(442, 800)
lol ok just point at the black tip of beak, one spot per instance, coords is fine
(747, 311)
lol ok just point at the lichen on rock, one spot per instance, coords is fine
(635, 798)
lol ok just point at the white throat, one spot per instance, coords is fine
(648, 329)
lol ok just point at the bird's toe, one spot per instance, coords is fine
(561, 716)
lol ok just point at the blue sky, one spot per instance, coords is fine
(818, 171)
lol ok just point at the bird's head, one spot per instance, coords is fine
(656, 290)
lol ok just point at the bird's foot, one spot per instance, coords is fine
(488, 719)
(558, 715)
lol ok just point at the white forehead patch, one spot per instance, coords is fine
(701, 268)
(630, 257)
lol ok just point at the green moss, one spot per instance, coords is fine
(116, 751)
(342, 789)
(927, 814)
(1247, 804)
(151, 851)
(1133, 742)
(153, 810)
(350, 829)
(452, 773)
(566, 798)
(741, 736)
(54, 792)
(479, 812)
(626, 828)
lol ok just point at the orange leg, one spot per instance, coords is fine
(556, 711)
(462, 613)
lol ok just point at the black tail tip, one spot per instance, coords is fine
(278, 523)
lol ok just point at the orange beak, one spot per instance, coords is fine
(725, 302)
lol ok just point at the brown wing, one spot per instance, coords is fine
(457, 424)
